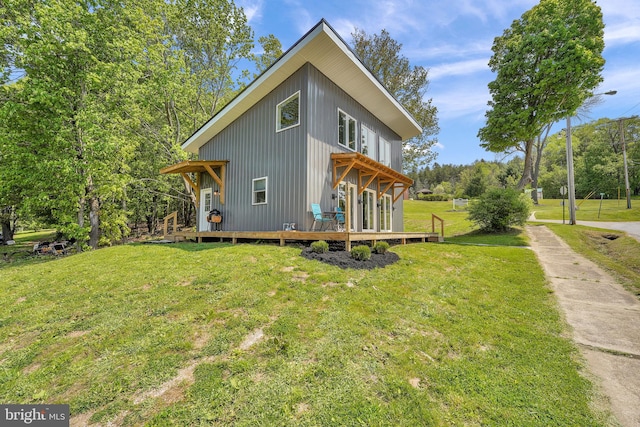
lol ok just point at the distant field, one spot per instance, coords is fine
(590, 210)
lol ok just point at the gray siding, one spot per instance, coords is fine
(297, 161)
(325, 98)
(254, 149)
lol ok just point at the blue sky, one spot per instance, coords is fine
(453, 40)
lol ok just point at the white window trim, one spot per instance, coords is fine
(386, 198)
(278, 128)
(372, 143)
(266, 191)
(372, 208)
(355, 149)
(383, 143)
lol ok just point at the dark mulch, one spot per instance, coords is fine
(343, 259)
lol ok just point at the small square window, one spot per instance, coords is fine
(288, 112)
(259, 191)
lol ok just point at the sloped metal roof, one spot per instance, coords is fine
(325, 50)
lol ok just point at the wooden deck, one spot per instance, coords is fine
(292, 236)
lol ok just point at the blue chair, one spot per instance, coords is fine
(340, 221)
(318, 216)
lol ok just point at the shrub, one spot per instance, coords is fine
(361, 253)
(499, 209)
(381, 247)
(320, 247)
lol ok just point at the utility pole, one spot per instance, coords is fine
(570, 176)
(624, 157)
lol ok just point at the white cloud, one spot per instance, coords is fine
(471, 66)
(252, 9)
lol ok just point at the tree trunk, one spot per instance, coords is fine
(81, 206)
(7, 232)
(528, 163)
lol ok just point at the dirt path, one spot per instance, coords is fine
(604, 319)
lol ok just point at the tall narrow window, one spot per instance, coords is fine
(260, 191)
(346, 130)
(288, 112)
(368, 142)
(385, 152)
(385, 214)
(368, 210)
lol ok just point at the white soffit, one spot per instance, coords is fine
(326, 51)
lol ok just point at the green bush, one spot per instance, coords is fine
(320, 247)
(361, 253)
(500, 209)
(433, 197)
(381, 247)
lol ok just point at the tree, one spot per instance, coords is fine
(381, 54)
(547, 63)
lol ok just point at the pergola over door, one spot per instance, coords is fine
(369, 170)
(198, 167)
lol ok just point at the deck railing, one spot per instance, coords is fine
(165, 228)
(435, 217)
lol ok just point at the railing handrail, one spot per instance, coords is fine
(174, 216)
(433, 224)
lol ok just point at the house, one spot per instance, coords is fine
(316, 127)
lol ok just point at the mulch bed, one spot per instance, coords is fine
(343, 259)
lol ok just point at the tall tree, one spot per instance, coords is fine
(409, 84)
(547, 63)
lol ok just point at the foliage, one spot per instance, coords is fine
(381, 247)
(499, 210)
(547, 63)
(433, 197)
(381, 54)
(361, 252)
(320, 247)
(106, 93)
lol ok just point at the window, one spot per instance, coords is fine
(368, 210)
(368, 142)
(260, 191)
(346, 130)
(385, 152)
(385, 214)
(288, 113)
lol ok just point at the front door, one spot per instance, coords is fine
(206, 204)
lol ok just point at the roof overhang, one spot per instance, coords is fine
(324, 49)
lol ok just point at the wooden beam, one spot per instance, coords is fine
(373, 176)
(387, 188)
(344, 174)
(218, 179)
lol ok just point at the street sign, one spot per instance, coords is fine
(563, 190)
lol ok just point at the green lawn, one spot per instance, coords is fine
(157, 335)
(588, 210)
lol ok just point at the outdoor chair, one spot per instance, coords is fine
(340, 221)
(318, 216)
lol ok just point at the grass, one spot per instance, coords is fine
(458, 228)
(450, 335)
(590, 210)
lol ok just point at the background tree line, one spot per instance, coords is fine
(598, 163)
